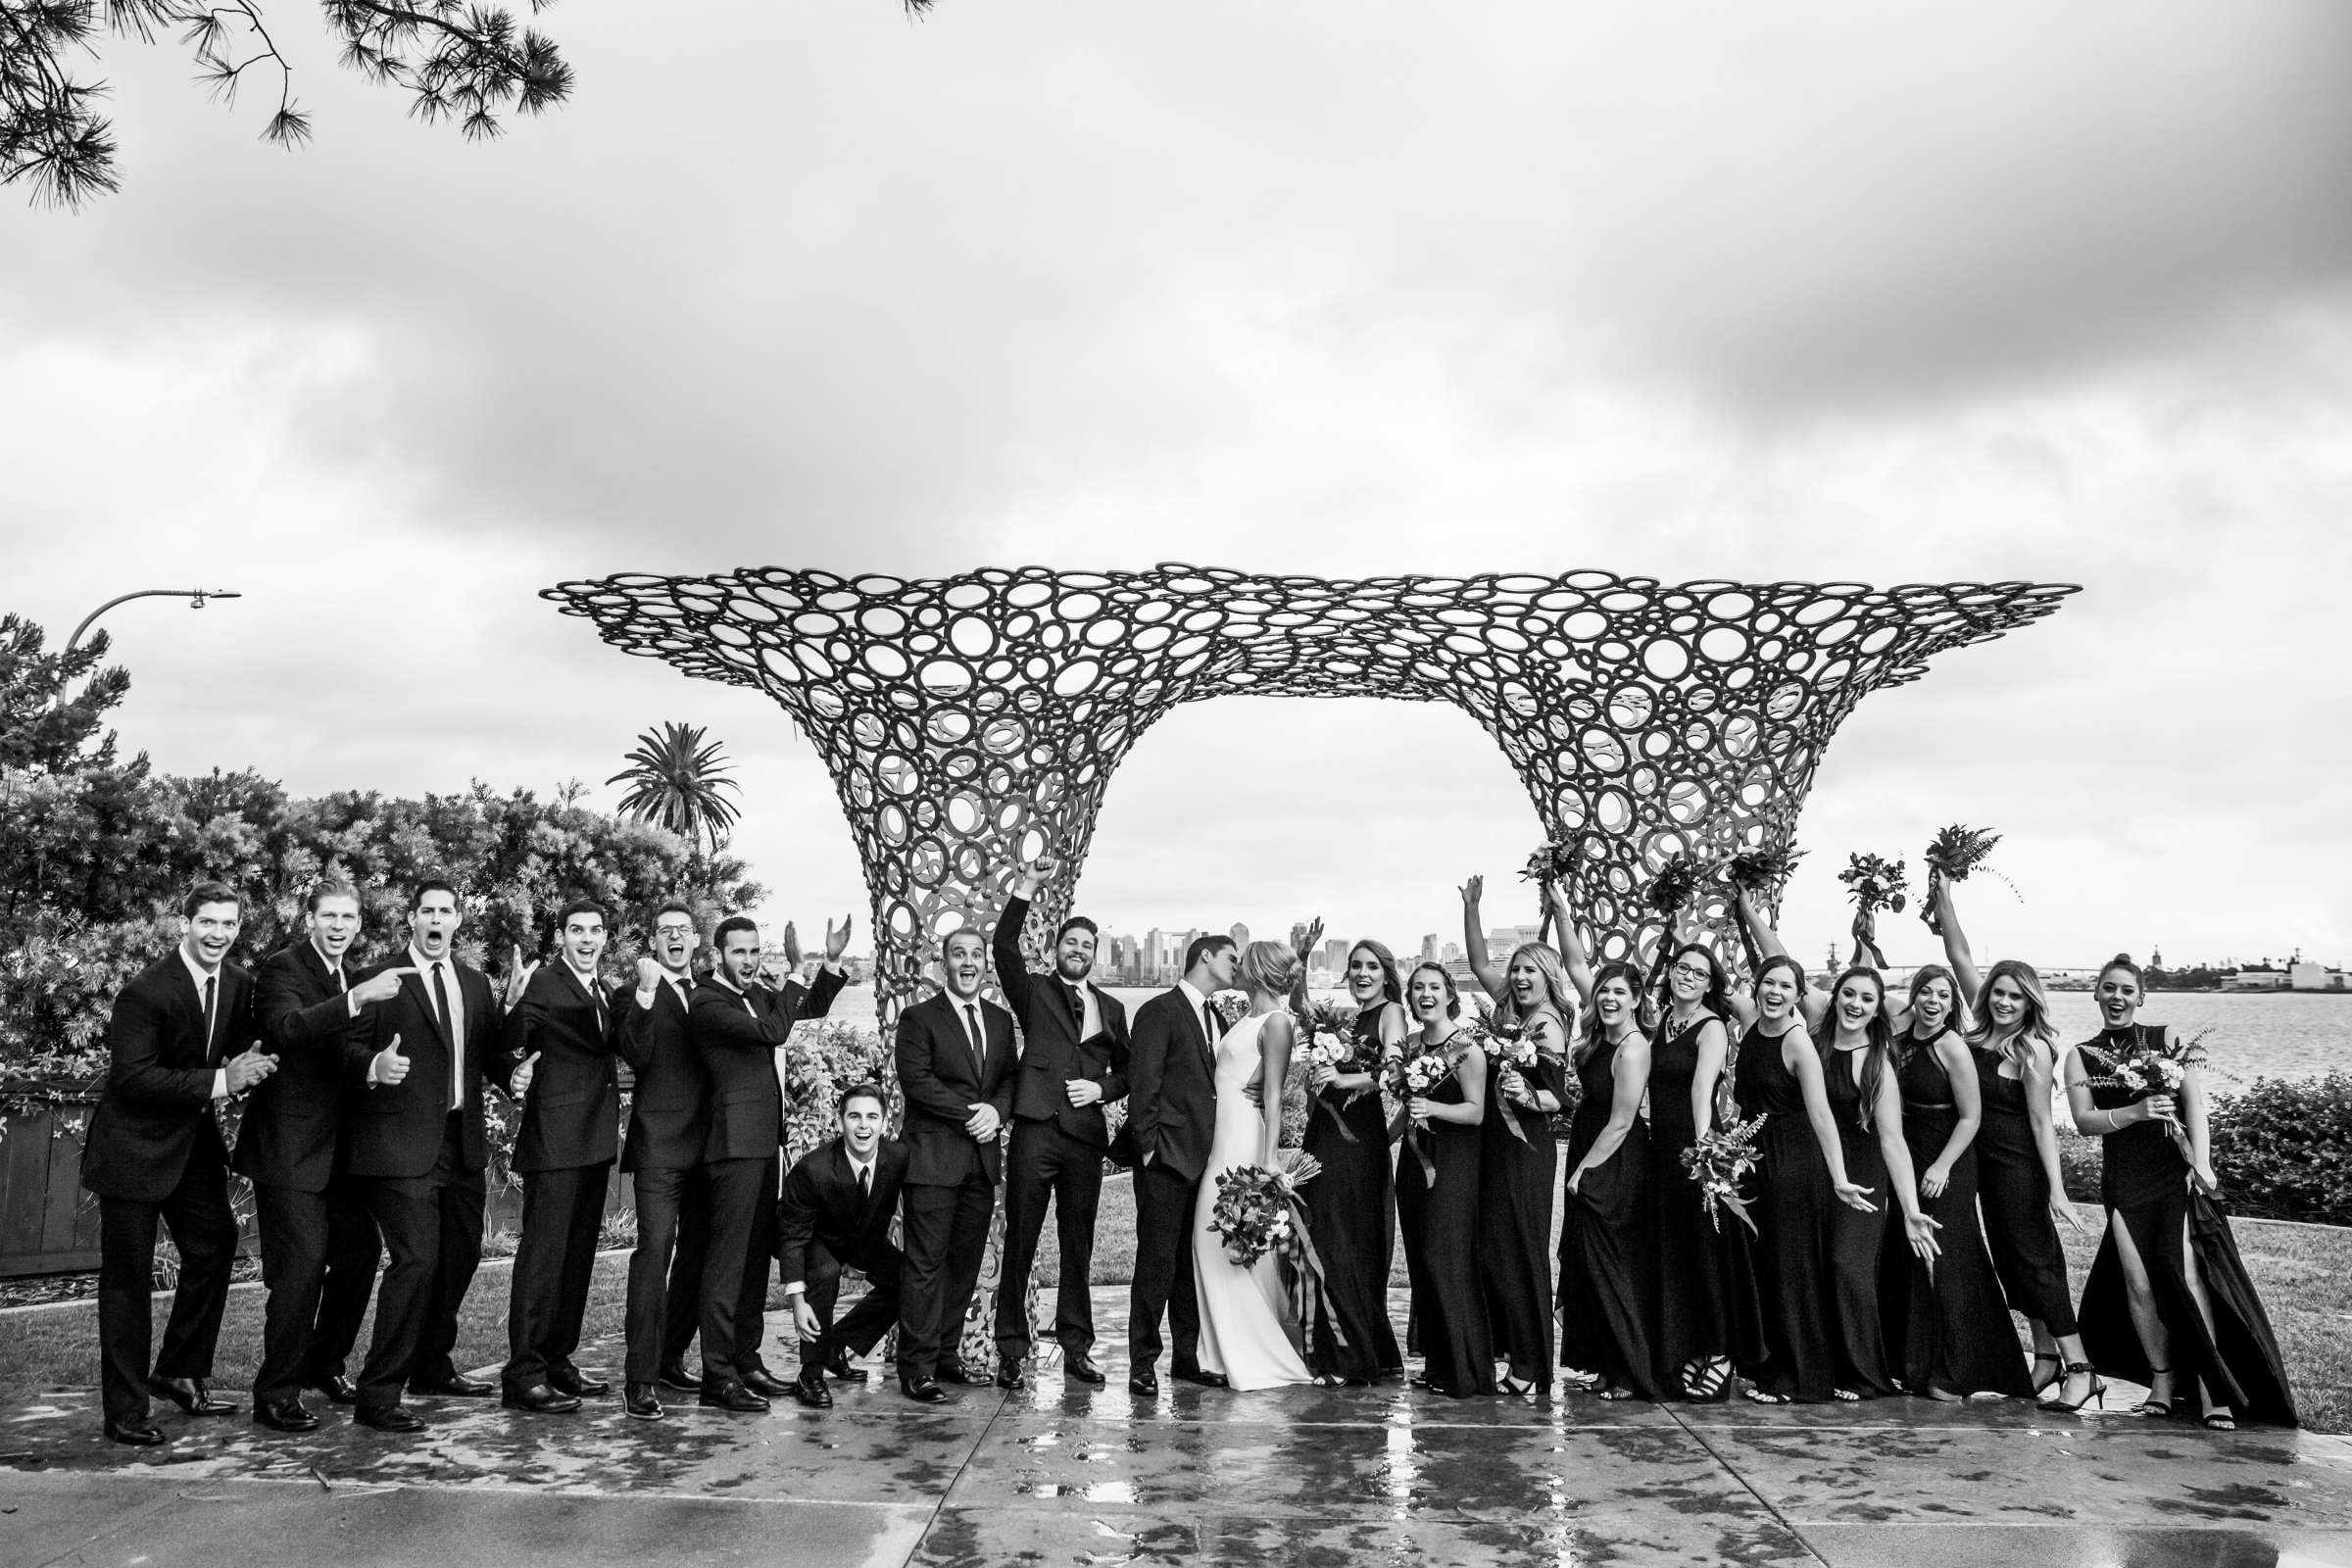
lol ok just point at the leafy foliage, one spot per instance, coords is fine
(676, 781)
(2282, 1148)
(44, 724)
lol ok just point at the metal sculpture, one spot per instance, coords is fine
(970, 722)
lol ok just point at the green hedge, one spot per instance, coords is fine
(2282, 1148)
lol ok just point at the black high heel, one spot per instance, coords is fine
(2152, 1406)
(2057, 1365)
(2098, 1391)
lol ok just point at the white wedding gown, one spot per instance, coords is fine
(1246, 1327)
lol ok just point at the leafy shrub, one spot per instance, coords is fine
(2079, 1165)
(2282, 1148)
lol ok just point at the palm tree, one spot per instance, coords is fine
(675, 782)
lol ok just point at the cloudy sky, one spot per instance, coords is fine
(1892, 293)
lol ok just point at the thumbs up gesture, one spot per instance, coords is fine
(521, 1081)
(388, 1067)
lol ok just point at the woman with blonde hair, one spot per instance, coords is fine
(1438, 1188)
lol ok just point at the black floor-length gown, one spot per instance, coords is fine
(1699, 1310)
(1792, 1214)
(1607, 1246)
(2014, 1194)
(1351, 1218)
(1857, 1237)
(2144, 1181)
(1947, 1327)
(1436, 1218)
(1516, 1172)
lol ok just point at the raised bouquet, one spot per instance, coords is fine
(1874, 883)
(1675, 885)
(1951, 857)
(1762, 870)
(1555, 862)
(1718, 1161)
(2155, 1064)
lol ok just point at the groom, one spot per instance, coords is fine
(1171, 1116)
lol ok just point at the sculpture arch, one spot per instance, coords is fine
(970, 720)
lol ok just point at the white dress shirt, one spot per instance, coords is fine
(456, 1017)
(212, 1020)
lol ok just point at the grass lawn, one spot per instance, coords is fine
(2299, 1269)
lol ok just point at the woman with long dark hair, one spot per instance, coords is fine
(1438, 1189)
(2013, 1049)
(1518, 1162)
(1350, 1208)
(2168, 1301)
(1607, 1262)
(1947, 1328)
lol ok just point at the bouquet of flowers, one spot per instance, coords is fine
(1762, 870)
(1509, 1044)
(1556, 860)
(1325, 1041)
(1875, 884)
(1417, 1077)
(1258, 1210)
(1951, 857)
(1718, 1161)
(1675, 884)
(2152, 1066)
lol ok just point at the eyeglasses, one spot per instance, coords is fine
(674, 930)
(1686, 971)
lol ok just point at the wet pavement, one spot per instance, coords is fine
(1067, 1475)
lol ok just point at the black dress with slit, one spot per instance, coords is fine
(1516, 1173)
(2014, 1193)
(1607, 1246)
(1436, 1218)
(2145, 1183)
(1699, 1308)
(1947, 1327)
(1351, 1218)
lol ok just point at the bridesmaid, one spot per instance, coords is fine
(2168, 1296)
(2013, 1048)
(1606, 1257)
(1436, 1210)
(1350, 1208)
(1947, 1327)
(1516, 1171)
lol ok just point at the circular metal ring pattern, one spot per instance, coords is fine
(970, 721)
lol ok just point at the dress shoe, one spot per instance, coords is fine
(809, 1389)
(1144, 1380)
(922, 1390)
(539, 1400)
(729, 1395)
(638, 1400)
(840, 1367)
(388, 1417)
(766, 1384)
(192, 1395)
(338, 1389)
(1203, 1377)
(136, 1433)
(958, 1372)
(673, 1375)
(1080, 1366)
(455, 1386)
(572, 1381)
(284, 1415)
(1010, 1378)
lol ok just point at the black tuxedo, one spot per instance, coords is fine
(318, 1243)
(154, 1151)
(669, 1119)
(564, 1149)
(737, 1033)
(825, 1224)
(1056, 1151)
(951, 1176)
(1172, 1113)
(419, 1162)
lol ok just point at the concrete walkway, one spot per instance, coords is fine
(1066, 1475)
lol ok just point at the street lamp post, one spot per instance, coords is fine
(194, 595)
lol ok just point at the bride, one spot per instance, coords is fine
(1247, 1330)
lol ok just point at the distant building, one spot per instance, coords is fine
(1429, 947)
(1335, 954)
(2256, 977)
(1240, 933)
(1504, 940)
(1451, 954)
(2305, 974)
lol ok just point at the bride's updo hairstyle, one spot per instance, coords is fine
(1269, 966)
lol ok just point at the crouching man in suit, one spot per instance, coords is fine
(835, 1214)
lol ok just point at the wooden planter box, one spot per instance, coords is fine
(48, 1225)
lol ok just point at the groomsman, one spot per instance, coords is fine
(1172, 1112)
(738, 1024)
(417, 1065)
(180, 1041)
(669, 1119)
(318, 1244)
(836, 1213)
(1073, 1062)
(559, 1049)
(955, 1063)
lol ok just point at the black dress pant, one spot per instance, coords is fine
(555, 1261)
(946, 1230)
(318, 1256)
(742, 1239)
(862, 1328)
(432, 1230)
(204, 1229)
(1046, 1164)
(1163, 1268)
(665, 1271)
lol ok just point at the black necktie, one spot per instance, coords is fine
(1077, 1009)
(341, 985)
(210, 985)
(1209, 1022)
(865, 1181)
(441, 1004)
(979, 1041)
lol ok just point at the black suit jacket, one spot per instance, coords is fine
(1052, 1054)
(158, 1100)
(738, 1047)
(821, 1203)
(669, 1110)
(394, 1130)
(1172, 1079)
(943, 1083)
(293, 1118)
(571, 1112)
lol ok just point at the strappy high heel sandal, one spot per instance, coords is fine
(2097, 1391)
(1517, 1387)
(2221, 1420)
(1846, 1397)
(2151, 1405)
(1704, 1375)
(2057, 1371)
(1757, 1396)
